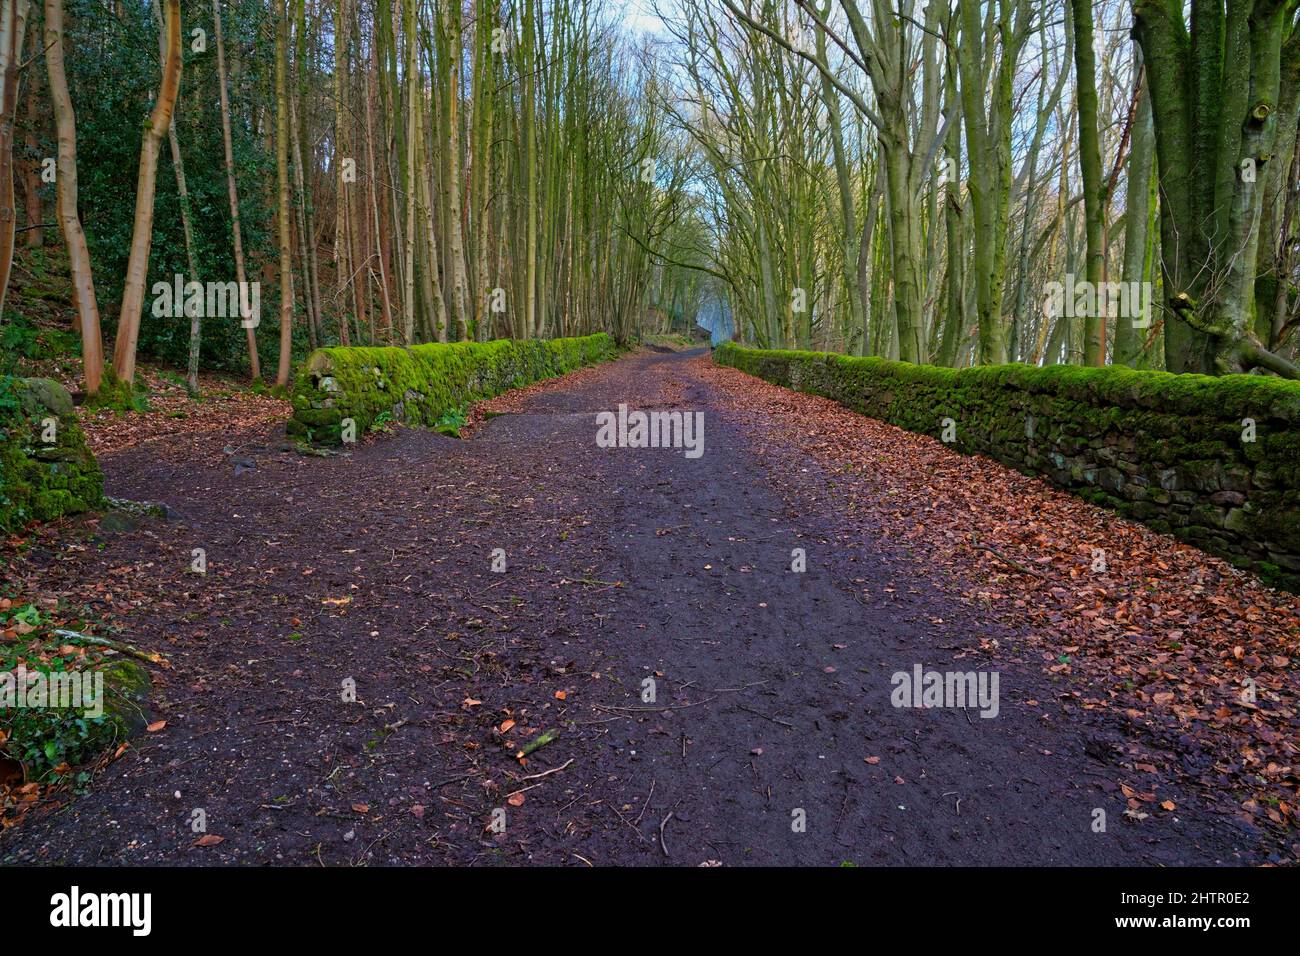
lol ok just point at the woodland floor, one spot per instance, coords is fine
(1119, 690)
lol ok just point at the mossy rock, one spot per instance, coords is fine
(317, 417)
(127, 685)
(118, 522)
(45, 473)
(42, 396)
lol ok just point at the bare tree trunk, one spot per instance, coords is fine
(306, 210)
(408, 302)
(433, 287)
(1094, 202)
(954, 322)
(306, 235)
(282, 179)
(484, 81)
(240, 274)
(848, 214)
(379, 251)
(529, 119)
(182, 190)
(1141, 160)
(456, 237)
(1276, 226)
(35, 232)
(128, 323)
(346, 205)
(13, 33)
(65, 121)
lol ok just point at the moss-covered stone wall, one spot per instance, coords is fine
(1212, 460)
(421, 384)
(45, 471)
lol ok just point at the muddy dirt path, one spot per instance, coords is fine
(770, 739)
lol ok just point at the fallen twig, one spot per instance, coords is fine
(732, 690)
(1011, 561)
(457, 779)
(522, 790)
(651, 710)
(147, 656)
(646, 804)
(547, 773)
(663, 846)
(775, 720)
(663, 823)
(639, 834)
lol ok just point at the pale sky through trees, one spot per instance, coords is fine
(639, 17)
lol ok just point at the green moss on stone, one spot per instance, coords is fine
(1101, 432)
(420, 385)
(42, 480)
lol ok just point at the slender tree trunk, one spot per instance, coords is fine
(282, 179)
(302, 167)
(128, 324)
(241, 275)
(13, 33)
(529, 119)
(904, 244)
(380, 250)
(954, 323)
(456, 241)
(65, 121)
(412, 99)
(1141, 161)
(303, 230)
(484, 81)
(1094, 202)
(35, 233)
(433, 283)
(182, 190)
(305, 233)
(346, 212)
(848, 213)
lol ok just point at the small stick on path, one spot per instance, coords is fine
(663, 823)
(775, 720)
(547, 773)
(147, 656)
(1011, 561)
(651, 710)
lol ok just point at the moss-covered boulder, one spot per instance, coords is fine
(1214, 459)
(127, 686)
(46, 469)
(421, 385)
